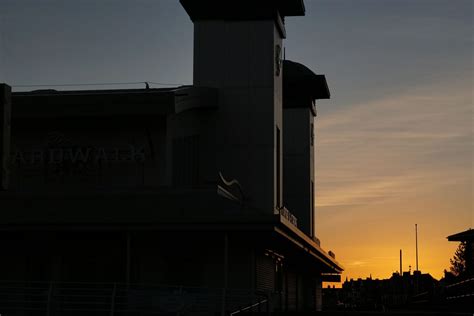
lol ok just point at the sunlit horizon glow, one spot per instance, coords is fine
(389, 164)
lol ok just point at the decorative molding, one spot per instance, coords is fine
(229, 188)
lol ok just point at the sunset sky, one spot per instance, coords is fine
(394, 144)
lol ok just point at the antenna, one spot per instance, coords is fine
(416, 241)
(401, 271)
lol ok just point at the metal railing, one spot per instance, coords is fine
(61, 298)
(461, 290)
(257, 306)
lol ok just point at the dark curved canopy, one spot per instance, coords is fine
(301, 84)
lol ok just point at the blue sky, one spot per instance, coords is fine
(394, 142)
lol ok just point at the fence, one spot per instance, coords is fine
(460, 296)
(461, 290)
(53, 298)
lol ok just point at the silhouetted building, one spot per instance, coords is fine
(200, 187)
(399, 291)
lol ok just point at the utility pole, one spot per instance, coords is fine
(401, 271)
(416, 241)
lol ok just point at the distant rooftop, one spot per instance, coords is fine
(462, 236)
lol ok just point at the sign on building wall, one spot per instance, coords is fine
(74, 158)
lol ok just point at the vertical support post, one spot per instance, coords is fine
(127, 257)
(112, 301)
(226, 273)
(319, 294)
(5, 135)
(416, 241)
(417, 275)
(253, 264)
(181, 300)
(50, 298)
(401, 267)
(269, 302)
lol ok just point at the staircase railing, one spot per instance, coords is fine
(254, 306)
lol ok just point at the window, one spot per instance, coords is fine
(278, 167)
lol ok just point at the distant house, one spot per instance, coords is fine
(416, 289)
(186, 199)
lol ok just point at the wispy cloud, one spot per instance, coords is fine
(397, 146)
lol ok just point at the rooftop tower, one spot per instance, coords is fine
(238, 48)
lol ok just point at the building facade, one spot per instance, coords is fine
(202, 191)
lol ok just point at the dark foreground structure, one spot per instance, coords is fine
(401, 291)
(466, 237)
(188, 200)
(460, 289)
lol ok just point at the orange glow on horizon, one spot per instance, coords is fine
(383, 166)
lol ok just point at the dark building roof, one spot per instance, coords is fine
(120, 102)
(301, 85)
(242, 9)
(467, 235)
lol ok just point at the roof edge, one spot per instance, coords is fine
(462, 236)
(311, 246)
(241, 9)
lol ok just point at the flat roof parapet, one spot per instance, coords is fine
(242, 9)
(104, 103)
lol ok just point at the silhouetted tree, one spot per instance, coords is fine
(458, 262)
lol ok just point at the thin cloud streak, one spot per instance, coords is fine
(392, 147)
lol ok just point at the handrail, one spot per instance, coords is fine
(119, 298)
(248, 307)
(460, 283)
(461, 290)
(459, 296)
